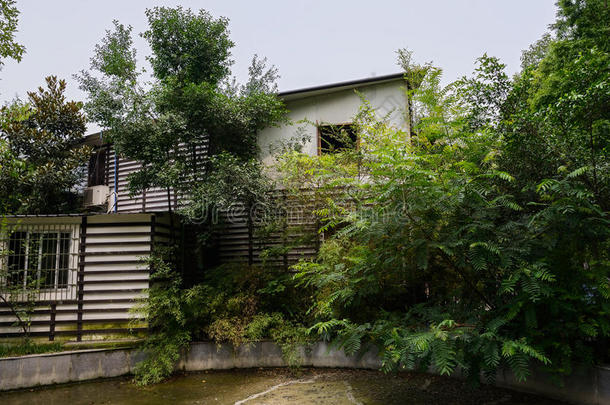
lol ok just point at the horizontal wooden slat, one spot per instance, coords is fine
(74, 332)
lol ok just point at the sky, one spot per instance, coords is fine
(311, 42)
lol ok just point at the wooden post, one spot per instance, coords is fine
(52, 326)
(80, 279)
(250, 226)
(153, 222)
(285, 230)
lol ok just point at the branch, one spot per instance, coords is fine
(14, 311)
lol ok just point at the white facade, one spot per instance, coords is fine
(107, 273)
(332, 106)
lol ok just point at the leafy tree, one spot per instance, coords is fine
(557, 113)
(190, 106)
(484, 94)
(194, 130)
(482, 243)
(43, 157)
(440, 259)
(12, 170)
(9, 18)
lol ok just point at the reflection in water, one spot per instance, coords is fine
(274, 387)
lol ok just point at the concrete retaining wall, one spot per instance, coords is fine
(55, 368)
(587, 386)
(207, 356)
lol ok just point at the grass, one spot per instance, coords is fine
(25, 348)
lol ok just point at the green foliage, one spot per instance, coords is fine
(12, 170)
(229, 180)
(191, 104)
(482, 243)
(478, 239)
(253, 303)
(485, 93)
(190, 47)
(42, 156)
(233, 305)
(170, 310)
(9, 19)
(556, 114)
(28, 347)
(292, 338)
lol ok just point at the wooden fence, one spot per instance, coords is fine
(278, 233)
(105, 277)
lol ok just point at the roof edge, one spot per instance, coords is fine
(292, 94)
(346, 84)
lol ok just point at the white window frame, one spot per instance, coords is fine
(55, 293)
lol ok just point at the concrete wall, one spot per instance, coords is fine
(588, 386)
(338, 107)
(56, 368)
(584, 386)
(208, 356)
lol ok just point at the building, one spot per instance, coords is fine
(90, 268)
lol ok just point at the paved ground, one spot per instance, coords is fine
(278, 386)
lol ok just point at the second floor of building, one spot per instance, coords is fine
(315, 114)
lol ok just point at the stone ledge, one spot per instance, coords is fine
(587, 386)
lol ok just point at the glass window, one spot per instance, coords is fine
(38, 260)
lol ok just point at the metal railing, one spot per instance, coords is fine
(39, 262)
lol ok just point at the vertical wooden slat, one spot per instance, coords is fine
(250, 239)
(80, 279)
(153, 221)
(284, 238)
(107, 166)
(182, 251)
(52, 326)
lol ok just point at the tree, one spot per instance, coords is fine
(558, 112)
(9, 48)
(441, 257)
(44, 159)
(189, 107)
(193, 129)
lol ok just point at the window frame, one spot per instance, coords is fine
(58, 291)
(320, 125)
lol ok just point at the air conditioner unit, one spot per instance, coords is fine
(96, 195)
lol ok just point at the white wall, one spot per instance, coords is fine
(337, 107)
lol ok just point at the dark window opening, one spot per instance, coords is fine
(337, 138)
(97, 168)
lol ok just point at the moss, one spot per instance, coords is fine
(26, 348)
(119, 344)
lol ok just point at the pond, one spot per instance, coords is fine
(277, 386)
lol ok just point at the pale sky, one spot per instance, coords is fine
(312, 42)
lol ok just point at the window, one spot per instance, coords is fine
(40, 258)
(336, 138)
(97, 168)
